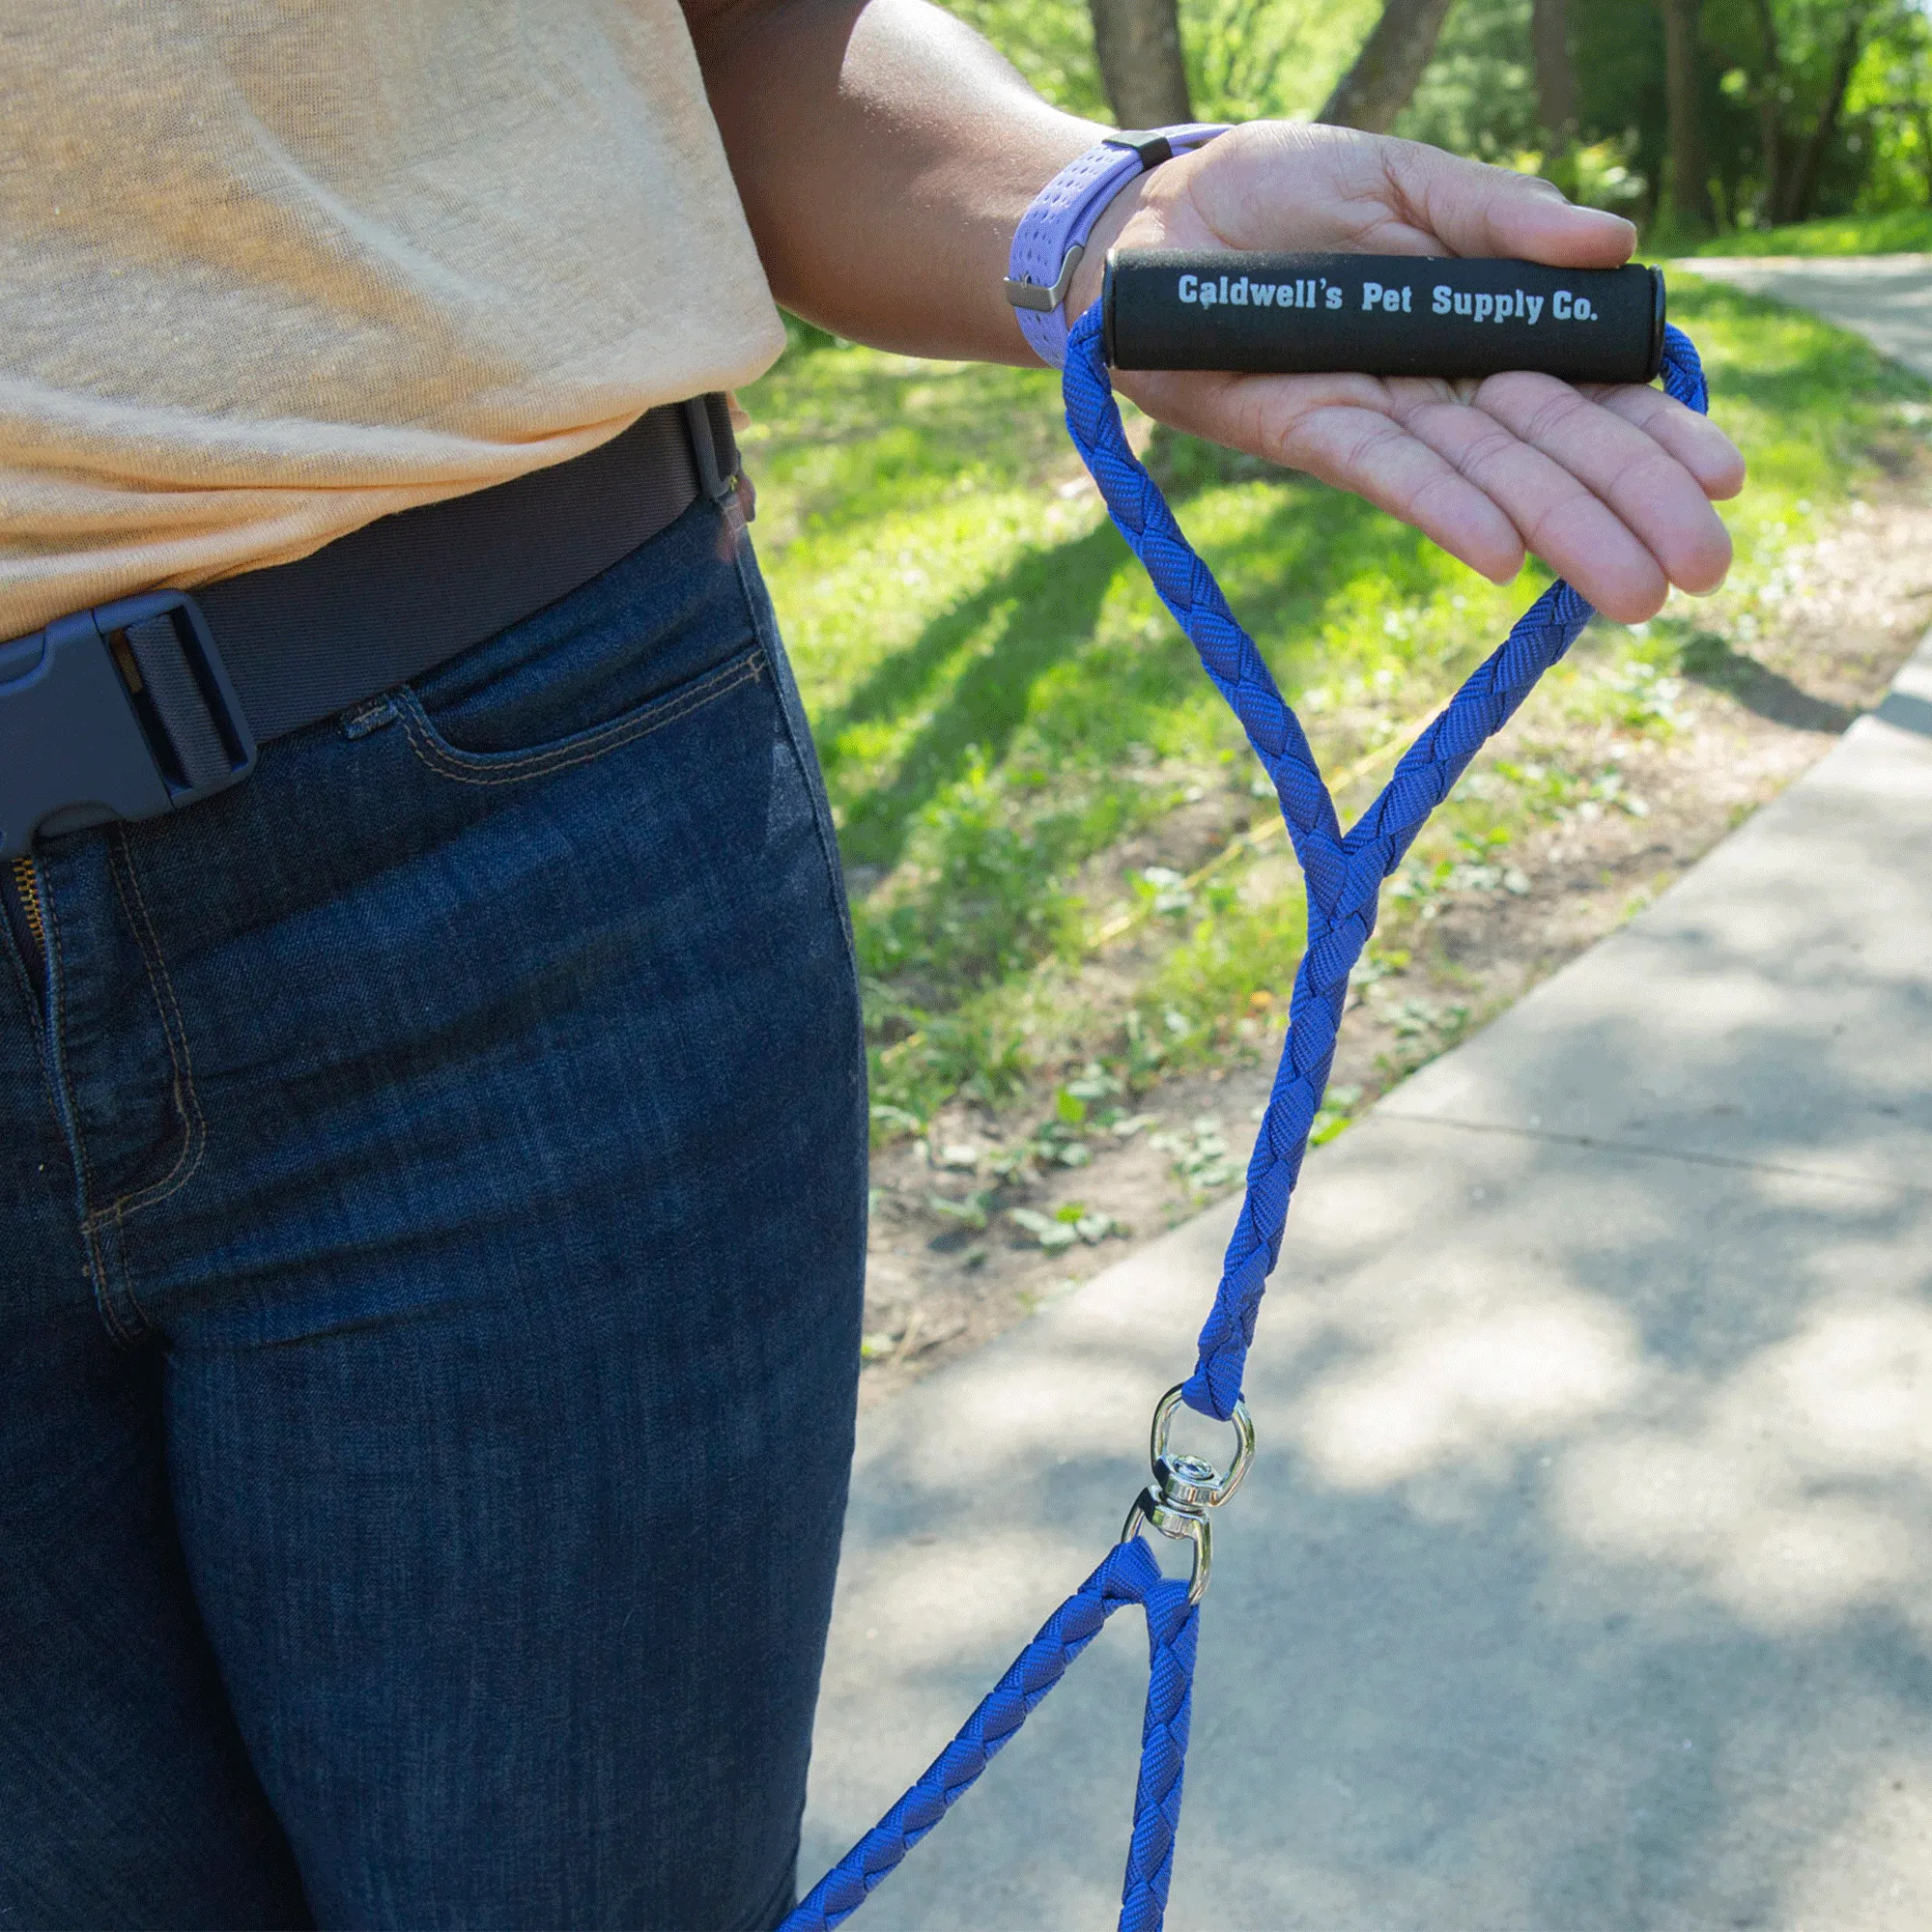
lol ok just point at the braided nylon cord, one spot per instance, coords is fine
(1343, 874)
(1129, 1574)
(1173, 1625)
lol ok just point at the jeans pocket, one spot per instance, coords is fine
(592, 671)
(468, 766)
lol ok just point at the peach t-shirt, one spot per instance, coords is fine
(272, 269)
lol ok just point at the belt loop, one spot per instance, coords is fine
(708, 446)
(724, 438)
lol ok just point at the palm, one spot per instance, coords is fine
(1611, 486)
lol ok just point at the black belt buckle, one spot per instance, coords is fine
(124, 711)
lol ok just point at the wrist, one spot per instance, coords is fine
(1076, 216)
(1084, 289)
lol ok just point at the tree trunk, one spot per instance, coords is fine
(1803, 185)
(1770, 111)
(1689, 188)
(1379, 84)
(1137, 42)
(1555, 75)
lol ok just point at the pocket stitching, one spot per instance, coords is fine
(483, 768)
(174, 1030)
(797, 727)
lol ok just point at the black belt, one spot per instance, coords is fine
(151, 703)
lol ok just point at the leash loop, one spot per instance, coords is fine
(1344, 873)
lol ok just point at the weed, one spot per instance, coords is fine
(1200, 1154)
(1338, 1110)
(971, 1213)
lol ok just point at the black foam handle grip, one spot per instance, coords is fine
(1379, 315)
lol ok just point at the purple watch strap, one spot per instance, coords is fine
(1052, 235)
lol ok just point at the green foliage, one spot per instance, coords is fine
(1001, 702)
(1251, 58)
(1478, 96)
(1876, 158)
(1617, 46)
(1051, 42)
(1246, 59)
(1903, 231)
(1753, 100)
(1890, 99)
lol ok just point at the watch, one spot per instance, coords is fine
(1052, 236)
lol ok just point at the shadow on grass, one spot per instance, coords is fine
(1708, 660)
(1287, 573)
(1044, 606)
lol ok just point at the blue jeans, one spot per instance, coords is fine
(432, 1188)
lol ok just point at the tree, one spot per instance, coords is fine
(1770, 117)
(1379, 86)
(1800, 185)
(1792, 162)
(1137, 44)
(1688, 188)
(1556, 76)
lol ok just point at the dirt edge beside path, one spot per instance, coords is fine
(949, 1266)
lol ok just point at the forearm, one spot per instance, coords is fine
(885, 155)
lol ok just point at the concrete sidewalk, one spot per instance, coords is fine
(1888, 299)
(1585, 1576)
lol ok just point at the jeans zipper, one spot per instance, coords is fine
(26, 915)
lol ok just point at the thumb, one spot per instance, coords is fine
(1473, 209)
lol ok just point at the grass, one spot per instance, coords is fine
(1020, 746)
(1904, 231)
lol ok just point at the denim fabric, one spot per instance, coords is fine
(432, 1194)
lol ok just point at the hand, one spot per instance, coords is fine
(1610, 485)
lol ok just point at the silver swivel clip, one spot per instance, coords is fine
(1186, 1489)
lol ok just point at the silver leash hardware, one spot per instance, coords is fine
(1185, 1489)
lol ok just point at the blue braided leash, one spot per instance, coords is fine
(1344, 873)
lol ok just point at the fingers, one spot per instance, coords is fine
(1364, 452)
(1520, 461)
(1558, 515)
(1694, 441)
(1656, 497)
